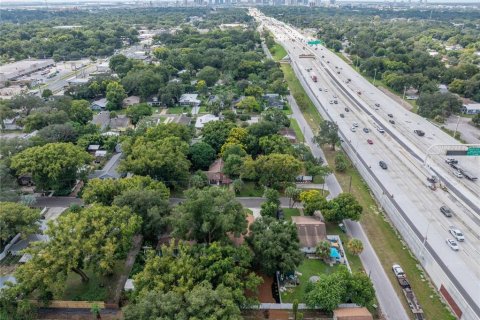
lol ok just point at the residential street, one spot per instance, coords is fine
(389, 301)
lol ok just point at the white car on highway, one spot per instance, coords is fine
(456, 233)
(452, 244)
(457, 174)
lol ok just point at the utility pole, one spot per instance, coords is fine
(456, 127)
(374, 76)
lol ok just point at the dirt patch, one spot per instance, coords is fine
(265, 289)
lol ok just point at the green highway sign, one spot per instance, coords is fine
(314, 42)
(473, 151)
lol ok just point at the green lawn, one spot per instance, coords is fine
(202, 109)
(288, 110)
(308, 268)
(298, 132)
(178, 110)
(249, 189)
(278, 52)
(290, 212)
(98, 288)
(306, 105)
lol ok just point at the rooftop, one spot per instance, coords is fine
(205, 119)
(310, 230)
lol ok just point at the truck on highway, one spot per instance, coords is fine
(470, 176)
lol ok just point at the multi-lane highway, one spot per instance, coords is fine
(402, 188)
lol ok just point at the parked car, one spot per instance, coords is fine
(380, 130)
(369, 141)
(446, 211)
(355, 125)
(366, 130)
(326, 90)
(398, 271)
(456, 233)
(452, 244)
(383, 165)
(377, 105)
(320, 89)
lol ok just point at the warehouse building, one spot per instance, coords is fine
(12, 71)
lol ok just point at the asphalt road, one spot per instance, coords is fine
(399, 147)
(389, 301)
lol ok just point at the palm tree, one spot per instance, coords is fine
(323, 249)
(355, 246)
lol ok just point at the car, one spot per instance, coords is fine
(456, 233)
(338, 72)
(451, 160)
(420, 133)
(452, 244)
(335, 101)
(377, 105)
(334, 96)
(331, 101)
(320, 89)
(366, 130)
(390, 115)
(326, 90)
(457, 174)
(383, 165)
(391, 121)
(353, 129)
(398, 271)
(379, 129)
(446, 211)
(347, 110)
(342, 115)
(355, 125)
(369, 141)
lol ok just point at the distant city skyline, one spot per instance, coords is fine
(6, 2)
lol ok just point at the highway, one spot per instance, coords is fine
(402, 189)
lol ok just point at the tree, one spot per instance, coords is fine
(293, 195)
(275, 245)
(355, 246)
(322, 250)
(476, 120)
(169, 130)
(207, 215)
(104, 191)
(360, 289)
(17, 218)
(215, 133)
(58, 133)
(432, 104)
(328, 133)
(328, 292)
(312, 200)
(93, 238)
(47, 93)
(233, 149)
(180, 282)
(254, 90)
(237, 185)
(276, 144)
(249, 103)
(80, 111)
(115, 95)
(344, 206)
(137, 112)
(53, 166)
(201, 155)
(341, 163)
(233, 166)
(164, 160)
(209, 74)
(276, 116)
(201, 87)
(199, 180)
(274, 170)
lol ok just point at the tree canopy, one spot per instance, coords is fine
(17, 218)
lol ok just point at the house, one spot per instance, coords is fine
(215, 173)
(153, 102)
(352, 313)
(205, 119)
(311, 230)
(273, 100)
(99, 155)
(101, 120)
(471, 108)
(120, 123)
(99, 105)
(443, 88)
(110, 170)
(130, 101)
(92, 148)
(189, 99)
(11, 124)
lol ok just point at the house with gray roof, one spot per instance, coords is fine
(110, 170)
